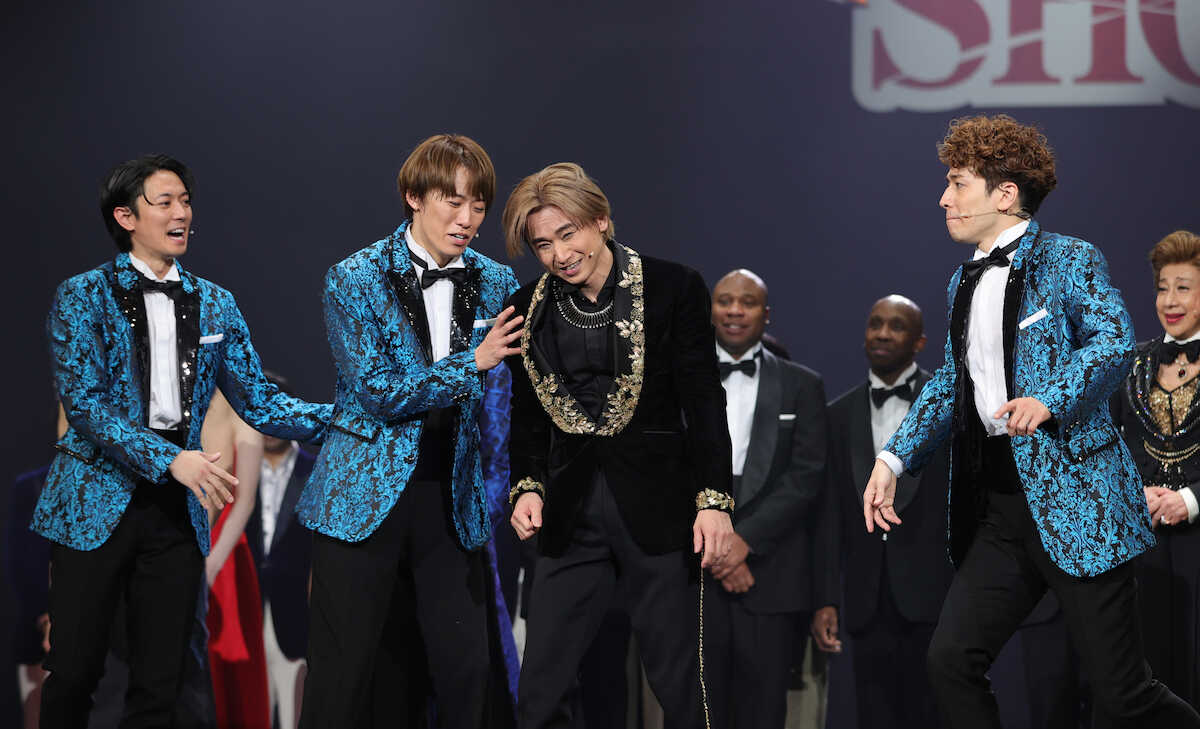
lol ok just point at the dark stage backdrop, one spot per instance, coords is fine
(793, 138)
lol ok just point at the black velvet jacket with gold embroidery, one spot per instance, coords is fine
(662, 437)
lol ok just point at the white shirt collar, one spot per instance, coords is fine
(285, 462)
(1008, 235)
(420, 252)
(904, 377)
(723, 356)
(1169, 338)
(144, 268)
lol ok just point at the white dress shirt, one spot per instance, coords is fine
(439, 298)
(886, 418)
(272, 484)
(741, 397)
(985, 343)
(985, 337)
(165, 412)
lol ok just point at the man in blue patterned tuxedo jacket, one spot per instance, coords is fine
(397, 497)
(138, 346)
(1043, 494)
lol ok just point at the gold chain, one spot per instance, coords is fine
(703, 688)
(1170, 458)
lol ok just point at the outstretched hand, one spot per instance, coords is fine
(879, 498)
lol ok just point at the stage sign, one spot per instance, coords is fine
(935, 55)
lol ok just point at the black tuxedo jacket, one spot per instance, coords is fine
(662, 437)
(781, 485)
(919, 570)
(283, 570)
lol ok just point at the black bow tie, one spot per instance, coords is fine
(457, 276)
(1170, 351)
(746, 367)
(174, 289)
(998, 257)
(429, 276)
(880, 395)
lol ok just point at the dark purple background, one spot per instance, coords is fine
(725, 135)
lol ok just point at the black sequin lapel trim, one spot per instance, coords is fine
(187, 342)
(408, 294)
(133, 307)
(466, 301)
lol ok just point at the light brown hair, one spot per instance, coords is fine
(563, 185)
(1182, 246)
(433, 165)
(999, 149)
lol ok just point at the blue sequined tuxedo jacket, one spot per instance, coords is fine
(377, 327)
(97, 329)
(1069, 343)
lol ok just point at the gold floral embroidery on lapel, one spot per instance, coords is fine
(622, 400)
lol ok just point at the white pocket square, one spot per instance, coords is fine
(787, 416)
(484, 323)
(1038, 316)
(211, 338)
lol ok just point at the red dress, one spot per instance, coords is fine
(235, 644)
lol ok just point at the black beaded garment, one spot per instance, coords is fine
(1161, 427)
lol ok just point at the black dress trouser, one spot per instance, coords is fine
(152, 560)
(761, 649)
(571, 596)
(388, 615)
(1003, 576)
(890, 681)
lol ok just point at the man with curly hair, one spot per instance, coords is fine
(1043, 494)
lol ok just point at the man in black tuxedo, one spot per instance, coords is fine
(619, 454)
(282, 556)
(894, 581)
(776, 415)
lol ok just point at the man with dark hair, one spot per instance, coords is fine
(775, 410)
(1044, 494)
(397, 497)
(884, 590)
(138, 347)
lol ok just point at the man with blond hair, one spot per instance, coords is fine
(619, 454)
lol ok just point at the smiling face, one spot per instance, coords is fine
(160, 221)
(576, 254)
(893, 337)
(739, 313)
(1178, 300)
(445, 224)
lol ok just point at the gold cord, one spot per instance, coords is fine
(703, 688)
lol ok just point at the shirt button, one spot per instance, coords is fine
(885, 536)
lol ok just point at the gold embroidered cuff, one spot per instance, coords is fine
(526, 484)
(713, 499)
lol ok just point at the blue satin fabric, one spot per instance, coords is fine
(384, 385)
(1081, 483)
(108, 448)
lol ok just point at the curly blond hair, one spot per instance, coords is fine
(999, 149)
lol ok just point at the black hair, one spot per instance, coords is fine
(126, 183)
